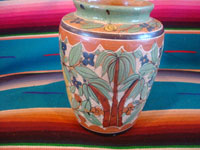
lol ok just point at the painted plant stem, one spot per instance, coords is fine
(113, 119)
(105, 104)
(123, 100)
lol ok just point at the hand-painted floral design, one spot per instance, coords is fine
(76, 83)
(127, 110)
(88, 59)
(64, 47)
(97, 111)
(144, 60)
(147, 26)
(95, 94)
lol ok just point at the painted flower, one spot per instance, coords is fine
(97, 111)
(128, 109)
(144, 60)
(150, 28)
(63, 46)
(77, 97)
(150, 82)
(88, 59)
(76, 83)
(77, 20)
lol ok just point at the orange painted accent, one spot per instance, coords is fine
(91, 44)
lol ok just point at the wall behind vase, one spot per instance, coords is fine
(43, 16)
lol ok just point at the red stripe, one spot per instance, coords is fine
(179, 51)
(51, 54)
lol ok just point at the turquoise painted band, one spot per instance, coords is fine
(113, 36)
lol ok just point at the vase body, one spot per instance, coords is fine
(110, 53)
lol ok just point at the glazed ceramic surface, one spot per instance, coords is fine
(110, 53)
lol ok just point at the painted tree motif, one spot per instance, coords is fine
(94, 96)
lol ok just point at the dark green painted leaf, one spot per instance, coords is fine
(134, 114)
(72, 89)
(91, 118)
(111, 71)
(126, 86)
(66, 72)
(92, 95)
(121, 71)
(136, 91)
(83, 104)
(75, 104)
(131, 59)
(102, 83)
(88, 106)
(154, 53)
(91, 25)
(138, 54)
(102, 90)
(147, 68)
(100, 58)
(144, 92)
(75, 54)
(132, 78)
(80, 91)
(126, 67)
(85, 91)
(85, 72)
(74, 73)
(135, 29)
(108, 60)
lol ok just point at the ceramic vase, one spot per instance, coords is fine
(110, 53)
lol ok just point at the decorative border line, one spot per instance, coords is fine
(112, 36)
(14, 37)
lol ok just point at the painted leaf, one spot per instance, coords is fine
(75, 54)
(67, 74)
(65, 59)
(74, 73)
(102, 83)
(91, 25)
(68, 17)
(102, 90)
(92, 95)
(138, 54)
(85, 72)
(91, 118)
(88, 106)
(85, 91)
(80, 91)
(100, 58)
(126, 67)
(135, 29)
(134, 114)
(126, 86)
(154, 53)
(121, 71)
(147, 68)
(144, 92)
(75, 104)
(111, 71)
(72, 89)
(153, 24)
(83, 104)
(131, 78)
(131, 60)
(125, 26)
(108, 60)
(136, 90)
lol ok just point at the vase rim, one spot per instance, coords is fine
(117, 3)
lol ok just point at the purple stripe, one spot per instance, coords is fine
(31, 92)
(7, 57)
(188, 93)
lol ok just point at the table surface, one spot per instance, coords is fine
(35, 112)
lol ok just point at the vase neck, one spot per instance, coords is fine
(114, 11)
